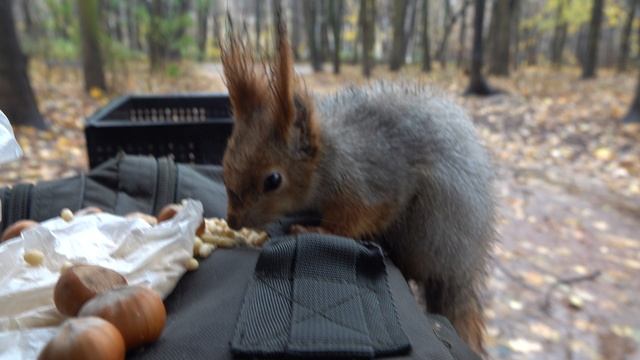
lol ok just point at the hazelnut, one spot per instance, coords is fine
(85, 338)
(138, 312)
(80, 283)
(16, 229)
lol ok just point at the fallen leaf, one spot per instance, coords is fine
(524, 346)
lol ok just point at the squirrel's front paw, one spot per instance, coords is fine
(300, 229)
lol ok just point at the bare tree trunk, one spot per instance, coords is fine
(311, 17)
(633, 116)
(178, 14)
(449, 22)
(591, 60)
(123, 21)
(462, 40)
(516, 15)
(532, 48)
(367, 23)
(276, 8)
(499, 54)
(426, 46)
(324, 30)
(156, 39)
(120, 23)
(258, 14)
(477, 83)
(132, 25)
(357, 44)
(32, 29)
(559, 34)
(161, 40)
(609, 50)
(91, 52)
(202, 16)
(410, 26)
(16, 96)
(296, 28)
(216, 15)
(581, 45)
(623, 54)
(634, 111)
(396, 59)
(336, 16)
(60, 19)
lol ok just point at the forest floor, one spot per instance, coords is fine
(565, 281)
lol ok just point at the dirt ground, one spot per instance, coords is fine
(565, 280)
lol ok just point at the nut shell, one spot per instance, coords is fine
(201, 229)
(80, 283)
(168, 212)
(138, 312)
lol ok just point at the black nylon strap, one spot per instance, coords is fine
(319, 295)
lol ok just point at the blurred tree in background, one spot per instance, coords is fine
(477, 83)
(91, 52)
(336, 15)
(502, 14)
(404, 16)
(107, 37)
(426, 40)
(625, 37)
(367, 31)
(595, 25)
(16, 96)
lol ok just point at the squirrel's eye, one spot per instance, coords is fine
(272, 181)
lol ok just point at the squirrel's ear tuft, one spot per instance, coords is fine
(281, 78)
(291, 106)
(248, 90)
(304, 133)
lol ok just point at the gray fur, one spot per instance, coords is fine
(412, 146)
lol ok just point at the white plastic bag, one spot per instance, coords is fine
(9, 148)
(143, 254)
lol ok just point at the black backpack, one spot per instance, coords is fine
(247, 303)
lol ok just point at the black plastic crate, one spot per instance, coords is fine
(193, 128)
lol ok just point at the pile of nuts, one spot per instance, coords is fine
(108, 316)
(213, 233)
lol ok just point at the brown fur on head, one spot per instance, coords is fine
(274, 132)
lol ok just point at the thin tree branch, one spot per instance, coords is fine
(546, 305)
(447, 29)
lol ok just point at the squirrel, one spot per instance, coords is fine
(398, 163)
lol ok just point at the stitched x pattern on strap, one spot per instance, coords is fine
(317, 295)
